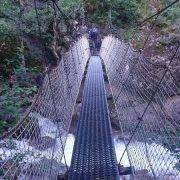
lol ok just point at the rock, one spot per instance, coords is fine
(29, 129)
(62, 177)
(43, 143)
(128, 116)
(159, 60)
(176, 73)
(11, 170)
(108, 90)
(142, 175)
(172, 106)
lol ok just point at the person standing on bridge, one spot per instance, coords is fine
(39, 80)
(93, 37)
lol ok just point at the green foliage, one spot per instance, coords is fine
(143, 9)
(22, 76)
(171, 16)
(11, 102)
(9, 10)
(24, 91)
(9, 109)
(9, 114)
(3, 125)
(10, 52)
(45, 17)
(6, 31)
(173, 13)
(127, 34)
(72, 5)
(124, 13)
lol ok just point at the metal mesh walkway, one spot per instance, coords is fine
(93, 154)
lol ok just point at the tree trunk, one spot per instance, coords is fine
(21, 6)
(56, 35)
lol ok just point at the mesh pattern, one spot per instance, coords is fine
(93, 154)
(34, 148)
(134, 80)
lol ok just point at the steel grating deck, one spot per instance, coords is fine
(93, 153)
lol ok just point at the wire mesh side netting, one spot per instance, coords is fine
(34, 148)
(146, 97)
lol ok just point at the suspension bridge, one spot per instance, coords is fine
(145, 98)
